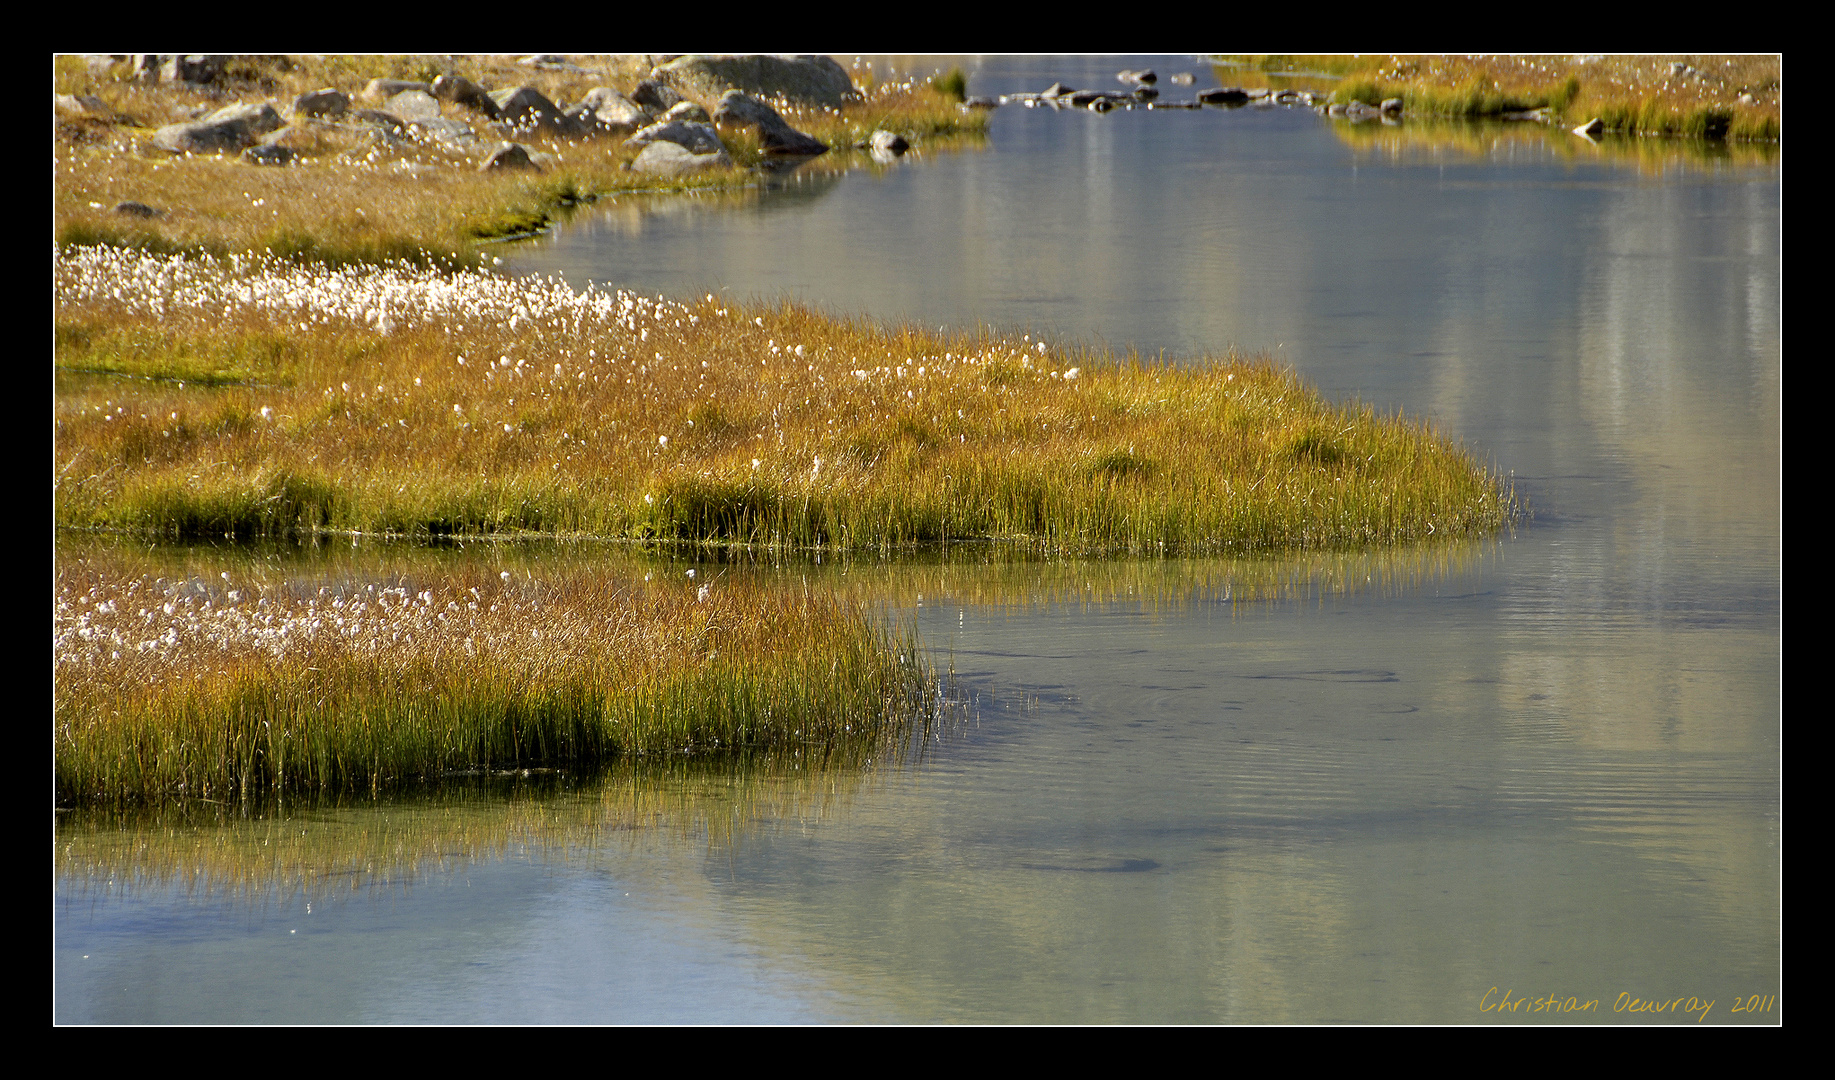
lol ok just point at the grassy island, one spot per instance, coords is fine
(260, 683)
(244, 397)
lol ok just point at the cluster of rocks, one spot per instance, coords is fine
(1146, 94)
(663, 118)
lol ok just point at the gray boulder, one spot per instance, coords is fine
(1392, 106)
(388, 123)
(655, 97)
(412, 105)
(690, 111)
(1227, 95)
(612, 112)
(775, 135)
(674, 159)
(88, 104)
(462, 91)
(509, 156)
(442, 129)
(695, 138)
(887, 142)
(526, 109)
(384, 89)
(328, 102)
(802, 80)
(1145, 76)
(199, 70)
(268, 155)
(1592, 129)
(233, 127)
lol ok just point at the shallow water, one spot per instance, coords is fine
(1360, 790)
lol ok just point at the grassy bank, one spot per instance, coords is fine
(1698, 96)
(244, 398)
(355, 194)
(262, 682)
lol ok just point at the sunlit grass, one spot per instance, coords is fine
(211, 398)
(1736, 97)
(263, 682)
(354, 195)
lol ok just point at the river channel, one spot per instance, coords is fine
(1408, 786)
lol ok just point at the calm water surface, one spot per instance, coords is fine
(1549, 765)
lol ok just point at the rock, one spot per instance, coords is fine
(1748, 99)
(801, 80)
(775, 135)
(1184, 78)
(462, 91)
(268, 155)
(674, 159)
(199, 70)
(384, 89)
(613, 112)
(525, 108)
(135, 209)
(1102, 105)
(87, 104)
(390, 124)
(981, 103)
(655, 97)
(1592, 129)
(1081, 98)
(443, 130)
(328, 102)
(887, 142)
(695, 138)
(1145, 77)
(690, 111)
(1226, 95)
(233, 127)
(1391, 106)
(545, 60)
(508, 156)
(412, 105)
(1056, 89)
(1145, 93)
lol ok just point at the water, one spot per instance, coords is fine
(1549, 766)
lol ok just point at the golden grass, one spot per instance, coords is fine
(355, 196)
(271, 681)
(213, 398)
(1634, 94)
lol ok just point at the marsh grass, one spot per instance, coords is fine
(394, 401)
(1632, 95)
(262, 684)
(356, 195)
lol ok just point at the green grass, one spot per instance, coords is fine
(610, 415)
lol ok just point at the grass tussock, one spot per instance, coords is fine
(1712, 97)
(356, 194)
(394, 401)
(258, 684)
